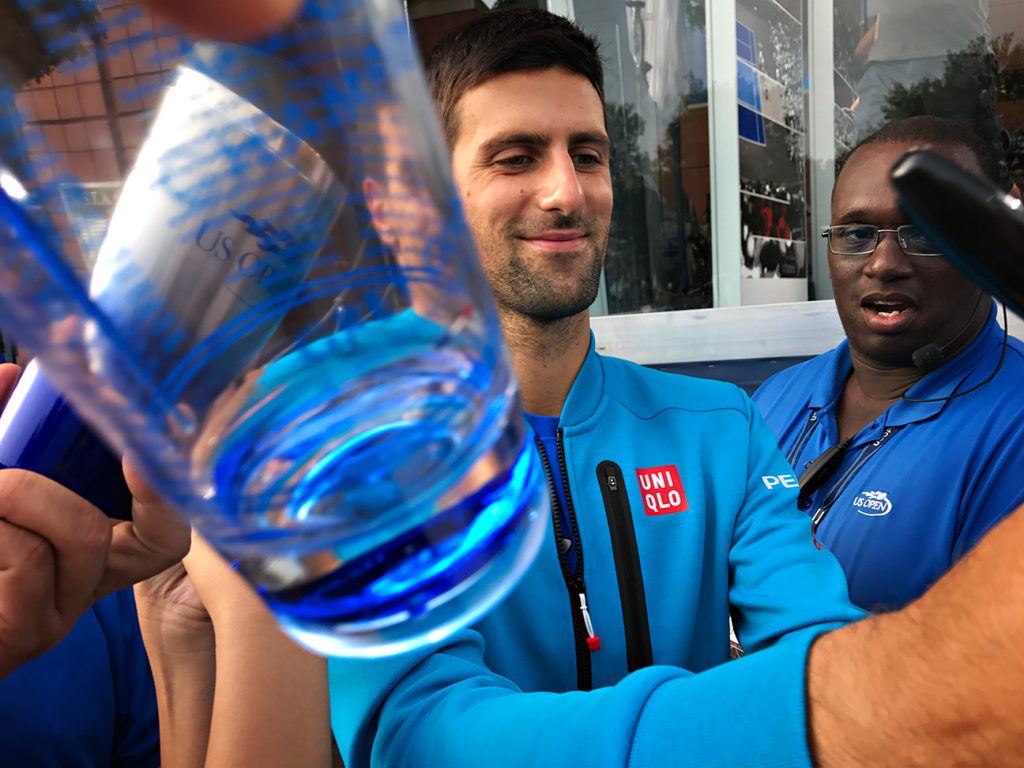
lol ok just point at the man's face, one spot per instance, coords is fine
(531, 165)
(892, 304)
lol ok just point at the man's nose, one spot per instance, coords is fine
(560, 187)
(888, 261)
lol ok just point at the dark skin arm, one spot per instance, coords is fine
(59, 554)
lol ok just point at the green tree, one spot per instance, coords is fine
(973, 81)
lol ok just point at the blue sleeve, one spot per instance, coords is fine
(136, 729)
(448, 709)
(781, 584)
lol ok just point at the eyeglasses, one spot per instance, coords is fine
(862, 239)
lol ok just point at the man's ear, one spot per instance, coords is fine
(1015, 192)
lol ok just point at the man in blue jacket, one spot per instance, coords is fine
(907, 436)
(673, 507)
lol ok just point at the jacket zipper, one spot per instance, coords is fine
(627, 566)
(586, 640)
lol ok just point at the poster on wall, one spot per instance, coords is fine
(770, 73)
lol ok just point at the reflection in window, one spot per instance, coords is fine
(659, 254)
(891, 59)
(960, 59)
(770, 74)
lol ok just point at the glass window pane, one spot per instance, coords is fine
(960, 59)
(890, 59)
(772, 152)
(659, 255)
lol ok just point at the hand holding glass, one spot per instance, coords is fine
(286, 329)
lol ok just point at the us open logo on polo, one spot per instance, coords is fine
(873, 503)
(662, 490)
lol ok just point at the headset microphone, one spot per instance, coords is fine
(929, 352)
(933, 355)
(928, 357)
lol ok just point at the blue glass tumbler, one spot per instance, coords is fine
(286, 328)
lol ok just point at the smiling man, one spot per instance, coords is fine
(541, 231)
(908, 435)
(672, 506)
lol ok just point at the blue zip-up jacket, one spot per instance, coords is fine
(661, 574)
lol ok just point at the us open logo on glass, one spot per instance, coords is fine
(662, 490)
(873, 503)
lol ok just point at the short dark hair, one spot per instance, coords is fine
(927, 129)
(502, 41)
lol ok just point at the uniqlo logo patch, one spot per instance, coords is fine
(662, 490)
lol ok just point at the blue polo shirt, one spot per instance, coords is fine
(88, 702)
(921, 484)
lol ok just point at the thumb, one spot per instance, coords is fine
(154, 539)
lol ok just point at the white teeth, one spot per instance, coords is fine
(889, 312)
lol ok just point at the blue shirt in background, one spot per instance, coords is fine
(89, 701)
(921, 484)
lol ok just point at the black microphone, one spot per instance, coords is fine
(932, 355)
(927, 354)
(977, 226)
(980, 230)
(928, 357)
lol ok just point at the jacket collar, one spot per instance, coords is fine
(586, 390)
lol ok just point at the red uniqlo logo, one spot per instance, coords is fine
(662, 490)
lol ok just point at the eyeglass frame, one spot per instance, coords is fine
(826, 233)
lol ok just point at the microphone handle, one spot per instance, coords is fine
(979, 227)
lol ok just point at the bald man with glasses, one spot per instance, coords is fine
(907, 438)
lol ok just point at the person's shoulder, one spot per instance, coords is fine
(804, 370)
(792, 381)
(989, 415)
(652, 390)
(1007, 380)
